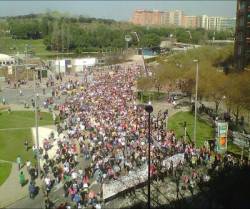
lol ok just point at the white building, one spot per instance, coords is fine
(204, 22)
(214, 23)
(6, 60)
(228, 23)
(58, 66)
(80, 64)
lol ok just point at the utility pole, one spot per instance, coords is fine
(196, 94)
(36, 122)
(149, 110)
(185, 131)
(26, 46)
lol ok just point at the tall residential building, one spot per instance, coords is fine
(144, 17)
(178, 19)
(175, 18)
(204, 22)
(214, 23)
(242, 35)
(165, 18)
(190, 21)
(228, 23)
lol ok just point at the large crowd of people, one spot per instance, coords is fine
(103, 136)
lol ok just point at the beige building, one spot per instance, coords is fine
(178, 19)
(144, 17)
(175, 18)
(190, 21)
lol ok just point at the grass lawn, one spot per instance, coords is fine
(237, 150)
(12, 140)
(204, 130)
(11, 46)
(5, 169)
(23, 119)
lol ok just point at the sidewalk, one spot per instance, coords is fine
(44, 132)
(11, 190)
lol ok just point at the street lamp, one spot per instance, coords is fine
(149, 110)
(196, 93)
(36, 122)
(128, 38)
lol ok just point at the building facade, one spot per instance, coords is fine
(242, 35)
(177, 18)
(144, 17)
(190, 21)
(214, 23)
(228, 23)
(155, 17)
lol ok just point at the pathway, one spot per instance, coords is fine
(44, 132)
(11, 190)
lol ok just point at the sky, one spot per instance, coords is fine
(118, 10)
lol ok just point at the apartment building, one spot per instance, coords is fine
(144, 17)
(175, 18)
(242, 35)
(179, 19)
(228, 23)
(155, 17)
(190, 21)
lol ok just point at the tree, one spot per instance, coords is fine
(238, 93)
(150, 40)
(213, 88)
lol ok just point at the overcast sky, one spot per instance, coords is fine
(118, 10)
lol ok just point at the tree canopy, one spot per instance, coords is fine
(63, 32)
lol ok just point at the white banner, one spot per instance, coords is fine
(136, 177)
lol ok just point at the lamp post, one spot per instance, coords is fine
(127, 38)
(185, 130)
(149, 110)
(196, 93)
(36, 122)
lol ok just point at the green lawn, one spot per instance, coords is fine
(11, 46)
(23, 119)
(12, 140)
(237, 150)
(204, 130)
(5, 169)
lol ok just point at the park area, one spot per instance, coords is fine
(15, 128)
(204, 130)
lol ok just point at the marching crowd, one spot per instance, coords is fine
(103, 136)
